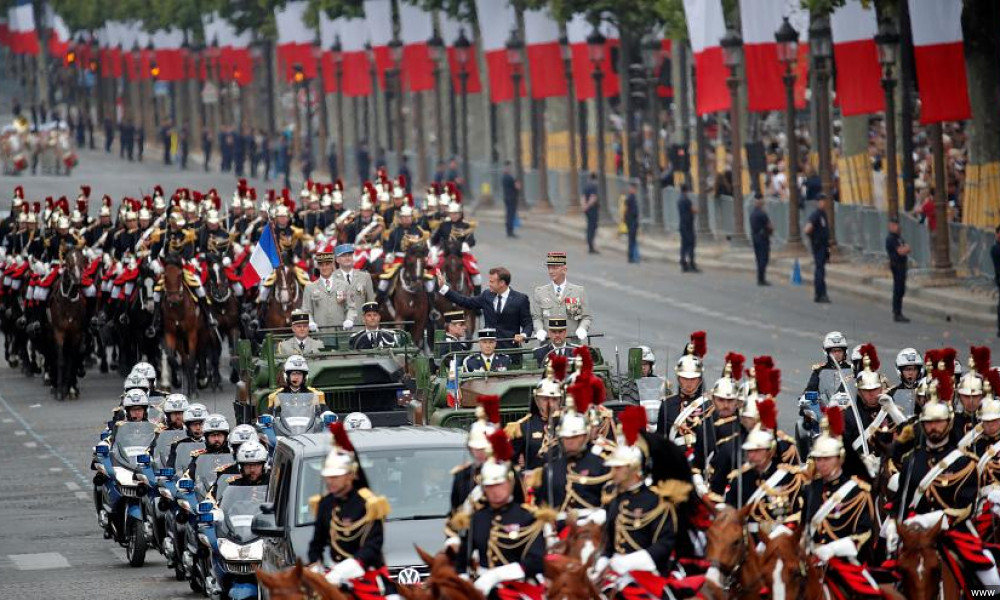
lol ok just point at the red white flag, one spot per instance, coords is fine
(541, 36)
(295, 40)
(859, 76)
(940, 60)
(499, 19)
(577, 30)
(357, 79)
(329, 30)
(234, 61)
(21, 21)
(58, 33)
(450, 30)
(378, 18)
(169, 54)
(764, 72)
(706, 27)
(416, 27)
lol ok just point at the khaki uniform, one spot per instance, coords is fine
(359, 291)
(572, 305)
(304, 346)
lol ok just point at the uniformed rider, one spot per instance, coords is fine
(296, 371)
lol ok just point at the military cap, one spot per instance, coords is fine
(344, 249)
(370, 307)
(556, 259)
(299, 316)
(455, 316)
(324, 255)
(487, 333)
(557, 323)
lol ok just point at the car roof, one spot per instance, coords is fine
(379, 438)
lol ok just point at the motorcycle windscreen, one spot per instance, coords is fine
(905, 399)
(207, 470)
(298, 413)
(830, 383)
(182, 457)
(240, 504)
(164, 440)
(131, 440)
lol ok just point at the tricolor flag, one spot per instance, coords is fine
(415, 28)
(761, 20)
(295, 40)
(500, 19)
(577, 31)
(23, 37)
(859, 87)
(541, 36)
(169, 54)
(940, 60)
(357, 78)
(58, 33)
(263, 260)
(234, 63)
(706, 27)
(329, 29)
(378, 17)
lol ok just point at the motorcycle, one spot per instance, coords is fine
(235, 552)
(120, 512)
(158, 477)
(195, 491)
(297, 413)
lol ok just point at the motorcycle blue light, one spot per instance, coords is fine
(329, 418)
(105, 435)
(102, 450)
(186, 484)
(206, 518)
(165, 472)
(142, 459)
(205, 507)
(265, 420)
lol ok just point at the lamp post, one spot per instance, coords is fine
(435, 46)
(463, 53)
(788, 53)
(652, 55)
(574, 173)
(887, 41)
(154, 73)
(596, 47)
(337, 52)
(373, 73)
(324, 115)
(732, 55)
(303, 82)
(396, 52)
(515, 60)
(821, 48)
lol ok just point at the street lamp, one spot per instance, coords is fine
(515, 60)
(373, 72)
(732, 56)
(396, 53)
(821, 48)
(566, 51)
(788, 53)
(303, 83)
(435, 46)
(887, 41)
(652, 56)
(463, 53)
(337, 53)
(596, 48)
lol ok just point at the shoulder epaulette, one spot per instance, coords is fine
(905, 435)
(733, 474)
(862, 484)
(544, 514)
(459, 521)
(376, 507)
(673, 490)
(818, 366)
(460, 468)
(221, 468)
(314, 501)
(233, 479)
(513, 429)
(533, 478)
(197, 452)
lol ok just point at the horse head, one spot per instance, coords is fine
(919, 561)
(728, 547)
(783, 566)
(283, 585)
(173, 280)
(73, 266)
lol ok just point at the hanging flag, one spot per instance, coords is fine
(706, 27)
(577, 30)
(58, 33)
(859, 76)
(500, 19)
(263, 260)
(23, 35)
(4, 31)
(415, 28)
(328, 30)
(940, 60)
(295, 40)
(665, 86)
(378, 18)
(450, 30)
(169, 55)
(763, 71)
(357, 69)
(541, 36)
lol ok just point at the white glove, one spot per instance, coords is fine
(599, 566)
(581, 334)
(699, 484)
(345, 570)
(633, 561)
(390, 256)
(489, 578)
(541, 334)
(453, 543)
(227, 262)
(929, 520)
(842, 548)
(465, 248)
(237, 249)
(313, 326)
(348, 324)
(894, 483)
(597, 517)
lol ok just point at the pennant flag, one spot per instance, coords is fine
(295, 40)
(859, 87)
(357, 69)
(169, 55)
(58, 33)
(764, 72)
(378, 18)
(940, 60)
(500, 16)
(263, 260)
(23, 35)
(541, 36)
(706, 27)
(415, 28)
(450, 30)
(577, 31)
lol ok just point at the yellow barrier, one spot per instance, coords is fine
(981, 195)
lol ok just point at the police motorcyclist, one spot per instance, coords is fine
(194, 422)
(835, 347)
(146, 370)
(240, 435)
(910, 367)
(216, 430)
(296, 371)
(173, 408)
(250, 468)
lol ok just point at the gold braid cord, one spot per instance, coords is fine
(573, 498)
(952, 481)
(625, 525)
(512, 541)
(844, 520)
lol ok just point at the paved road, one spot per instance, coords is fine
(51, 546)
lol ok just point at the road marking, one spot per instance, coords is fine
(19, 432)
(38, 562)
(72, 486)
(82, 495)
(30, 444)
(8, 420)
(80, 477)
(55, 469)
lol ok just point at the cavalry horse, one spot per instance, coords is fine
(300, 583)
(923, 564)
(226, 309)
(15, 345)
(68, 319)
(286, 296)
(736, 569)
(455, 275)
(572, 557)
(132, 327)
(444, 583)
(408, 300)
(182, 321)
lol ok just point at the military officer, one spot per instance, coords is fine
(194, 422)
(533, 435)
(9, 224)
(454, 336)
(970, 393)
(713, 437)
(251, 469)
(557, 341)
(404, 234)
(57, 243)
(372, 336)
(505, 537)
(689, 387)
(213, 238)
(560, 298)
(988, 431)
(325, 299)
(835, 347)
(880, 418)
(296, 371)
(289, 237)
(357, 284)
(465, 477)
(350, 518)
(216, 431)
(487, 359)
(179, 240)
(910, 368)
(300, 342)
(100, 234)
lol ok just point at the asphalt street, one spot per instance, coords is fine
(51, 545)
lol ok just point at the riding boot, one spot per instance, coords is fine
(205, 310)
(154, 327)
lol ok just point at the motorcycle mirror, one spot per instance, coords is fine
(165, 472)
(205, 507)
(101, 450)
(186, 484)
(142, 459)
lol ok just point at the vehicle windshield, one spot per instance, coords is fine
(133, 439)
(239, 505)
(416, 482)
(650, 388)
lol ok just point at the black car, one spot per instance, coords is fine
(410, 466)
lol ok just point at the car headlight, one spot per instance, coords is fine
(233, 551)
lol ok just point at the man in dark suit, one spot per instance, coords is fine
(372, 336)
(503, 309)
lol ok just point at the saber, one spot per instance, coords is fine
(854, 410)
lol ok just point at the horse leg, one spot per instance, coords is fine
(61, 371)
(234, 374)
(190, 358)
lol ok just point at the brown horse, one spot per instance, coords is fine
(298, 583)
(68, 318)
(286, 295)
(925, 575)
(783, 563)
(736, 569)
(182, 321)
(567, 568)
(443, 582)
(408, 301)
(226, 309)
(453, 269)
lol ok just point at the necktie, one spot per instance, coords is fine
(302, 346)
(558, 291)
(371, 337)
(488, 361)
(348, 279)
(499, 304)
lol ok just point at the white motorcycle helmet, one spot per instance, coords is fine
(242, 434)
(834, 339)
(146, 370)
(296, 362)
(216, 423)
(357, 420)
(647, 354)
(136, 382)
(251, 452)
(175, 403)
(135, 398)
(195, 412)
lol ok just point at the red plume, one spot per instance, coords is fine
(762, 374)
(932, 356)
(582, 394)
(699, 344)
(768, 414)
(633, 420)
(559, 365)
(949, 355)
(736, 361)
(869, 351)
(774, 384)
(85, 191)
(588, 361)
(340, 438)
(503, 451)
(598, 391)
(835, 419)
(763, 360)
(993, 376)
(491, 406)
(981, 356)
(946, 384)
